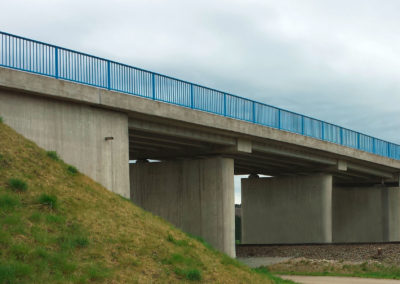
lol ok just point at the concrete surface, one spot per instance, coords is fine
(287, 210)
(77, 132)
(366, 214)
(255, 262)
(139, 107)
(337, 280)
(195, 195)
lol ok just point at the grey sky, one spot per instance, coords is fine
(334, 60)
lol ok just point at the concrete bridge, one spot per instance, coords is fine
(328, 184)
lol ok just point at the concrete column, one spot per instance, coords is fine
(366, 214)
(77, 133)
(287, 210)
(195, 195)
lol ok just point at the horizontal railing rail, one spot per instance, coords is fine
(45, 59)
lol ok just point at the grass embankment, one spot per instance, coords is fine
(59, 226)
(370, 269)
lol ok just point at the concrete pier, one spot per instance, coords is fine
(287, 210)
(196, 195)
(366, 214)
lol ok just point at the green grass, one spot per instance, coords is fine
(189, 274)
(8, 201)
(48, 200)
(69, 229)
(17, 184)
(276, 279)
(1, 119)
(53, 155)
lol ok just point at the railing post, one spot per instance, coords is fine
(373, 145)
(388, 149)
(254, 112)
(323, 130)
(108, 75)
(358, 141)
(279, 118)
(191, 96)
(153, 83)
(302, 125)
(341, 136)
(224, 104)
(56, 62)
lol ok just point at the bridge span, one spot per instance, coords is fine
(320, 191)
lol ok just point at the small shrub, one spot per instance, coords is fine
(72, 170)
(1, 119)
(48, 200)
(17, 184)
(53, 155)
(8, 201)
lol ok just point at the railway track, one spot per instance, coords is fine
(385, 251)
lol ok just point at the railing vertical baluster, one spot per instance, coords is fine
(191, 96)
(254, 112)
(153, 83)
(358, 141)
(302, 124)
(341, 135)
(322, 130)
(225, 104)
(56, 62)
(279, 118)
(373, 146)
(108, 75)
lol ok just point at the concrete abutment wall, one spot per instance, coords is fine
(196, 195)
(76, 132)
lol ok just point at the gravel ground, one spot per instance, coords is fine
(390, 253)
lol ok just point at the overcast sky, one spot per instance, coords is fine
(338, 61)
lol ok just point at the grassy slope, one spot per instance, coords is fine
(92, 234)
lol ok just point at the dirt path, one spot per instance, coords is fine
(337, 280)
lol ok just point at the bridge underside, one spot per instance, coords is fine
(158, 141)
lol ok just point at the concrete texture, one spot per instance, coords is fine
(287, 210)
(366, 214)
(195, 195)
(142, 108)
(77, 132)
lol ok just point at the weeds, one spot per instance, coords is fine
(17, 184)
(72, 170)
(8, 202)
(48, 200)
(53, 155)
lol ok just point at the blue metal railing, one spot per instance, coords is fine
(61, 63)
